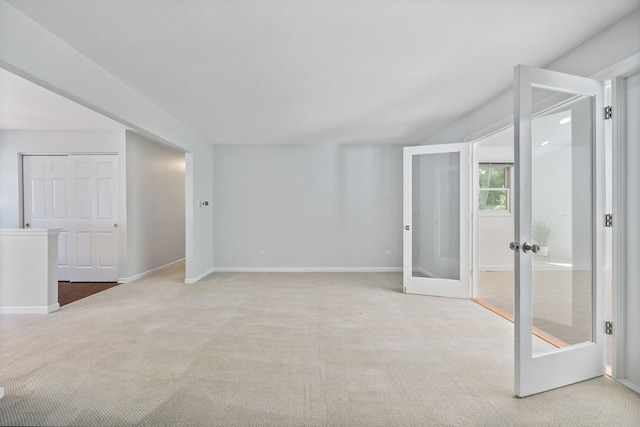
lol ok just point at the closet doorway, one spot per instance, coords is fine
(78, 194)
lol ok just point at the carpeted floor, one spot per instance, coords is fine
(242, 349)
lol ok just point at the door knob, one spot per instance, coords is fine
(27, 225)
(115, 225)
(514, 246)
(407, 227)
(526, 247)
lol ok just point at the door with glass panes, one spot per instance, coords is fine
(437, 249)
(560, 183)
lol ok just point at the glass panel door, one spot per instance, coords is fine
(436, 212)
(559, 229)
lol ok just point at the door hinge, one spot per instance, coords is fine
(608, 112)
(608, 220)
(608, 328)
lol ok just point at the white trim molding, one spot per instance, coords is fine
(36, 309)
(307, 269)
(199, 277)
(147, 273)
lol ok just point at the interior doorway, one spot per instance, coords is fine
(563, 315)
(493, 178)
(80, 195)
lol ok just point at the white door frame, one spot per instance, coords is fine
(620, 281)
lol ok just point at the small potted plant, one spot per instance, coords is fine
(541, 235)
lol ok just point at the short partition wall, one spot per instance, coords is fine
(29, 271)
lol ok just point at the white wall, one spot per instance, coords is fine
(611, 46)
(28, 284)
(155, 205)
(32, 52)
(307, 206)
(628, 326)
(199, 220)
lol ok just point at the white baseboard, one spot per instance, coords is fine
(147, 273)
(306, 269)
(29, 309)
(629, 384)
(199, 277)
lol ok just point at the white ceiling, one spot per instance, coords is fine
(25, 105)
(331, 71)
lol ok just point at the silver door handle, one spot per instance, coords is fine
(526, 247)
(115, 225)
(407, 227)
(27, 225)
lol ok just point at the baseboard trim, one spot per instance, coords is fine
(29, 309)
(629, 384)
(199, 277)
(306, 269)
(147, 273)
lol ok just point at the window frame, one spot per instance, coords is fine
(508, 167)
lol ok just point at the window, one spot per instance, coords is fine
(494, 187)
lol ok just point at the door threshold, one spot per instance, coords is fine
(556, 342)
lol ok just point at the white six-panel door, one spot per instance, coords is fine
(78, 193)
(46, 202)
(93, 230)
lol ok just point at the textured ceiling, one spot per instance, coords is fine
(347, 71)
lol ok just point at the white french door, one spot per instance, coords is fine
(436, 255)
(559, 184)
(79, 194)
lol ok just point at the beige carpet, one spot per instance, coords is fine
(279, 349)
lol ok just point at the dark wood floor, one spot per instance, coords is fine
(69, 292)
